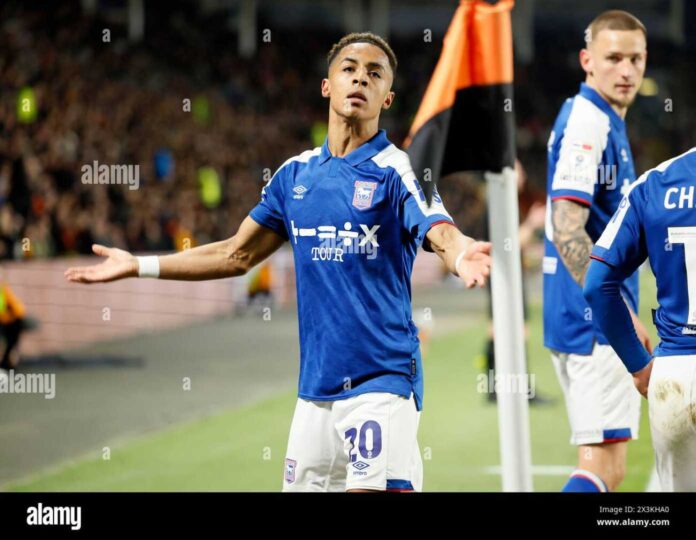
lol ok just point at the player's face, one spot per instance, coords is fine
(359, 82)
(615, 63)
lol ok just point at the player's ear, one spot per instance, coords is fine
(325, 88)
(586, 61)
(388, 100)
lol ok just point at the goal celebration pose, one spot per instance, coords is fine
(355, 215)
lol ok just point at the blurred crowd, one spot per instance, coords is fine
(207, 128)
(114, 104)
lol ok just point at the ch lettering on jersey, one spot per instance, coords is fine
(336, 243)
(681, 197)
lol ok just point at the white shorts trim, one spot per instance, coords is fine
(602, 402)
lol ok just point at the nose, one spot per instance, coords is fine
(360, 77)
(627, 68)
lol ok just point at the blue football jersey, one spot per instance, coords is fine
(657, 220)
(589, 162)
(355, 224)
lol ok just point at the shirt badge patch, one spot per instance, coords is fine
(363, 194)
(290, 466)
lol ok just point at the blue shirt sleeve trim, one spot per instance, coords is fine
(263, 218)
(429, 225)
(425, 227)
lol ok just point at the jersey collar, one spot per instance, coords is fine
(590, 93)
(367, 150)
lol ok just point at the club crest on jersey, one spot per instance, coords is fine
(290, 466)
(363, 194)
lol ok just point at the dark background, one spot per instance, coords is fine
(252, 71)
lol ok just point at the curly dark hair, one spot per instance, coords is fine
(363, 37)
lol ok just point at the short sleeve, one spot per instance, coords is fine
(580, 154)
(622, 244)
(412, 208)
(269, 211)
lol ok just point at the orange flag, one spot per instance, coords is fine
(466, 118)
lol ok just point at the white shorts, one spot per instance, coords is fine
(602, 402)
(364, 442)
(672, 409)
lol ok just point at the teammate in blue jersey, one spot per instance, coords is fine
(656, 220)
(589, 168)
(355, 215)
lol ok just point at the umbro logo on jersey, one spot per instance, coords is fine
(360, 465)
(299, 192)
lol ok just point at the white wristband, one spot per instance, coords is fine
(148, 266)
(458, 260)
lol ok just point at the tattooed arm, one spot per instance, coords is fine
(574, 246)
(570, 237)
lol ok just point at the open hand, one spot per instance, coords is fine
(475, 266)
(118, 265)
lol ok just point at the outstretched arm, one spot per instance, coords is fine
(462, 255)
(227, 258)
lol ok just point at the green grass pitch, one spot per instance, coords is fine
(243, 449)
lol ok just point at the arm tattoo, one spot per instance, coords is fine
(570, 237)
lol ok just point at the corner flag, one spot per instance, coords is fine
(466, 123)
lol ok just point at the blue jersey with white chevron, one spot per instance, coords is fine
(589, 162)
(657, 220)
(355, 224)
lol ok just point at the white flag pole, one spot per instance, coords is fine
(508, 330)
